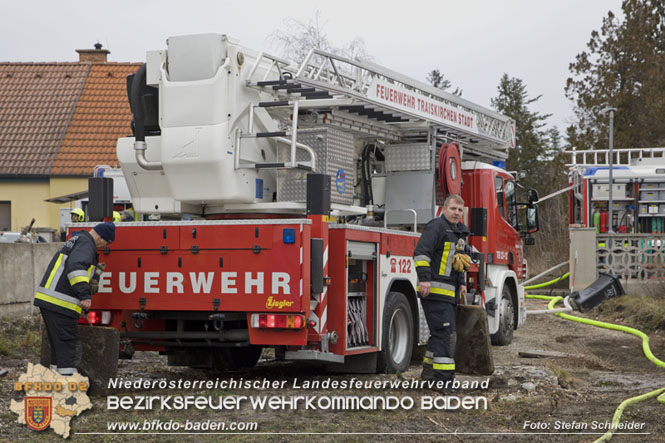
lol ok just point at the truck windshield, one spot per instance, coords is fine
(511, 207)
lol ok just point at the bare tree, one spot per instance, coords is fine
(297, 38)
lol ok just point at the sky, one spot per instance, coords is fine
(472, 42)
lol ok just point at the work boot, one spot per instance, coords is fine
(428, 368)
(427, 373)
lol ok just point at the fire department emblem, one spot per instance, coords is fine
(340, 181)
(38, 412)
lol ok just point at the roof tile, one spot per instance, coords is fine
(36, 102)
(61, 118)
(101, 117)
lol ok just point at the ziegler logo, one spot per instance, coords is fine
(272, 303)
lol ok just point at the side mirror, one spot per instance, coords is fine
(532, 224)
(532, 196)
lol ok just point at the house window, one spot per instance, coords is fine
(5, 216)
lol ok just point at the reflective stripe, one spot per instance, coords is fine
(421, 263)
(60, 295)
(427, 361)
(78, 277)
(422, 258)
(84, 279)
(73, 274)
(444, 364)
(443, 289)
(54, 270)
(429, 354)
(436, 284)
(60, 300)
(443, 367)
(446, 260)
(91, 269)
(442, 292)
(66, 371)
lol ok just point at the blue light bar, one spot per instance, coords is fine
(289, 235)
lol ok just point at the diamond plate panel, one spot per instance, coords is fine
(408, 157)
(423, 333)
(334, 153)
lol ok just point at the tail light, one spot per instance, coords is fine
(97, 318)
(277, 321)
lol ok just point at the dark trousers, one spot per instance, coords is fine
(63, 336)
(440, 357)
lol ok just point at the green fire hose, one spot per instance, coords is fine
(547, 283)
(659, 393)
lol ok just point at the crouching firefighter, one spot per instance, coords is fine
(65, 292)
(441, 261)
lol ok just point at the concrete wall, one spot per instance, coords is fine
(22, 266)
(582, 249)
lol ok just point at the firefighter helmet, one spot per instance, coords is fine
(80, 215)
(116, 217)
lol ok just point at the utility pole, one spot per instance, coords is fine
(611, 163)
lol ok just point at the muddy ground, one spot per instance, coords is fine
(580, 387)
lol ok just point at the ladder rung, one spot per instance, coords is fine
(301, 90)
(269, 165)
(273, 104)
(271, 82)
(317, 94)
(287, 86)
(371, 113)
(271, 134)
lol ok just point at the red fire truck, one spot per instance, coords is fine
(289, 197)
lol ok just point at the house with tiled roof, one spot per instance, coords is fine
(57, 122)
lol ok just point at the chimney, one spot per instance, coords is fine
(97, 55)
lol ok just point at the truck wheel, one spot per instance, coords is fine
(397, 334)
(232, 359)
(506, 311)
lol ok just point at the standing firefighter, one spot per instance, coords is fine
(65, 291)
(77, 215)
(440, 263)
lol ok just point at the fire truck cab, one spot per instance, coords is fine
(290, 197)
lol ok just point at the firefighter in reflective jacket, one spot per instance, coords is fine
(65, 291)
(441, 283)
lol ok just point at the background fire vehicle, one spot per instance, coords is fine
(305, 186)
(638, 188)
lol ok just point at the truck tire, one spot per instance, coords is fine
(397, 334)
(506, 312)
(231, 359)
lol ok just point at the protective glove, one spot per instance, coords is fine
(461, 261)
(94, 281)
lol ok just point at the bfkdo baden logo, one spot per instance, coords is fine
(38, 412)
(51, 400)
